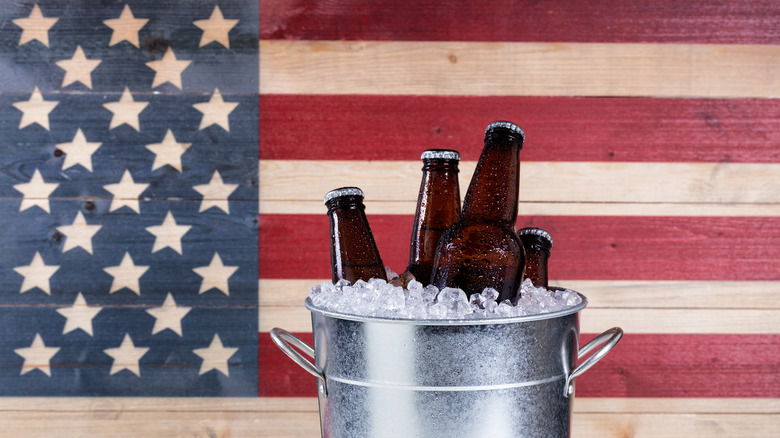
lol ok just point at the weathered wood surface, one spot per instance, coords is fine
(659, 149)
(653, 164)
(557, 128)
(520, 69)
(541, 181)
(620, 247)
(602, 294)
(49, 99)
(668, 21)
(25, 68)
(287, 417)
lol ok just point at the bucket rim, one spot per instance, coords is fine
(449, 322)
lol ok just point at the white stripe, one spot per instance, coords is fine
(521, 69)
(602, 294)
(658, 188)
(594, 320)
(695, 307)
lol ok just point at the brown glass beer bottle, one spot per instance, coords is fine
(353, 252)
(537, 243)
(482, 249)
(438, 207)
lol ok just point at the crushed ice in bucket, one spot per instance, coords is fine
(377, 298)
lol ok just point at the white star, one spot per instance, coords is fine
(215, 111)
(215, 357)
(126, 110)
(78, 68)
(79, 234)
(78, 151)
(168, 234)
(79, 315)
(215, 193)
(168, 152)
(216, 28)
(35, 27)
(126, 27)
(35, 110)
(36, 192)
(37, 356)
(168, 69)
(36, 274)
(126, 193)
(168, 316)
(126, 357)
(126, 275)
(215, 275)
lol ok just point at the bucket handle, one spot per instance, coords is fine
(282, 338)
(609, 338)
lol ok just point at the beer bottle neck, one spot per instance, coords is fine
(494, 189)
(438, 207)
(438, 165)
(440, 187)
(344, 204)
(354, 254)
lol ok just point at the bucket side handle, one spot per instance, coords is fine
(609, 339)
(282, 338)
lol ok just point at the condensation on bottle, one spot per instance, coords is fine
(482, 248)
(438, 207)
(353, 251)
(537, 244)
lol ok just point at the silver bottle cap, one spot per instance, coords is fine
(344, 191)
(440, 154)
(536, 232)
(506, 125)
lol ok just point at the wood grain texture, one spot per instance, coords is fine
(210, 231)
(602, 294)
(291, 417)
(641, 365)
(540, 181)
(666, 321)
(597, 21)
(674, 425)
(541, 208)
(620, 248)
(83, 364)
(638, 145)
(25, 69)
(379, 127)
(519, 69)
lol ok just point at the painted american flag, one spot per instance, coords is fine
(129, 225)
(652, 157)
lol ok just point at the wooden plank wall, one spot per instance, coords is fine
(653, 143)
(66, 55)
(652, 155)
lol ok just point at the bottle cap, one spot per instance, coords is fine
(506, 125)
(344, 191)
(440, 154)
(531, 231)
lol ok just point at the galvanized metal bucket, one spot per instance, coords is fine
(507, 377)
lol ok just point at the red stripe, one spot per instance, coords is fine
(660, 21)
(642, 365)
(586, 247)
(558, 128)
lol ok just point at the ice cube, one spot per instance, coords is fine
(378, 298)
